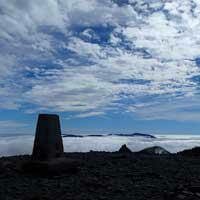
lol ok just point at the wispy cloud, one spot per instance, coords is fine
(88, 114)
(8, 127)
(184, 109)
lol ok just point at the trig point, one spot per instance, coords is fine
(48, 140)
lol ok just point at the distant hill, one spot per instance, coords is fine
(117, 134)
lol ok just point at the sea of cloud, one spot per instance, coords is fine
(17, 145)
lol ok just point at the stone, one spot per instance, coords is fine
(181, 196)
(194, 188)
(48, 142)
(56, 166)
(197, 194)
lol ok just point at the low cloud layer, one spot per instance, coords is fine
(90, 57)
(23, 144)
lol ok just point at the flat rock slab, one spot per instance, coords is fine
(58, 166)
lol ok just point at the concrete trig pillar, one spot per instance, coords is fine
(48, 142)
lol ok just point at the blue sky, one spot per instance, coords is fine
(102, 65)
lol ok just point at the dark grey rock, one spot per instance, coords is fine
(124, 149)
(48, 141)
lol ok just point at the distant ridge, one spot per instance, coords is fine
(135, 135)
(71, 135)
(117, 134)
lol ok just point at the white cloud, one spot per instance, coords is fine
(47, 59)
(22, 18)
(89, 114)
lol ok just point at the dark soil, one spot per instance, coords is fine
(100, 175)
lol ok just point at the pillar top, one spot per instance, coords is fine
(48, 115)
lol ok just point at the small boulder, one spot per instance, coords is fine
(124, 149)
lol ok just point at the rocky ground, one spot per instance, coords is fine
(101, 175)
